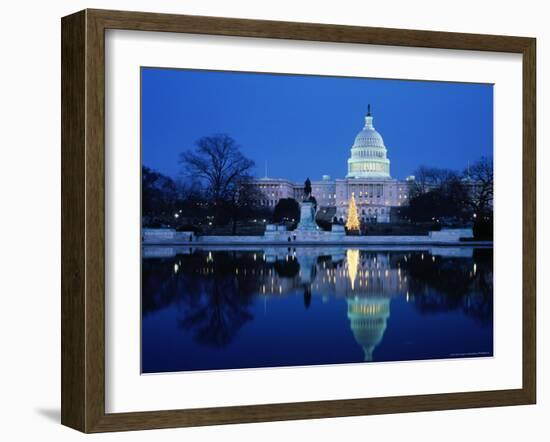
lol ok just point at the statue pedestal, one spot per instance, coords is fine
(306, 231)
(307, 217)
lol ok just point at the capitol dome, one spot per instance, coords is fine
(368, 138)
(368, 153)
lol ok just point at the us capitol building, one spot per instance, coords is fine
(368, 180)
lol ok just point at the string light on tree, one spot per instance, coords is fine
(353, 219)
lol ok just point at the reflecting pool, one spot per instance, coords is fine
(226, 308)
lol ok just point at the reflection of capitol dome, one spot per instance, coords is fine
(368, 153)
(368, 319)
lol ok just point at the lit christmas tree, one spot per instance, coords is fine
(353, 220)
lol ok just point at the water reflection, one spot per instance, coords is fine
(216, 297)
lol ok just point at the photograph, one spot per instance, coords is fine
(254, 222)
(300, 220)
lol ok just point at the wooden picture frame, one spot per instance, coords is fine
(83, 220)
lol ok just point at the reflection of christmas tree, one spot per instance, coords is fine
(352, 257)
(353, 220)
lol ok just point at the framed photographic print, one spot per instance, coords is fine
(270, 220)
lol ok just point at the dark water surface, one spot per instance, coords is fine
(243, 307)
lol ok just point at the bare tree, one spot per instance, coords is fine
(480, 177)
(218, 161)
(429, 178)
(242, 201)
(159, 195)
(190, 189)
(219, 165)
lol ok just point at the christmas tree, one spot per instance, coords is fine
(353, 220)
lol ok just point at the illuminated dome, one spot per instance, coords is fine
(368, 138)
(368, 318)
(368, 153)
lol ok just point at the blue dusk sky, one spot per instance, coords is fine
(304, 126)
